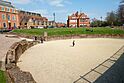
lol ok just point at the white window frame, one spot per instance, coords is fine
(8, 9)
(13, 10)
(9, 17)
(3, 8)
(3, 17)
(14, 17)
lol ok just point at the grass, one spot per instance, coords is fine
(68, 31)
(2, 77)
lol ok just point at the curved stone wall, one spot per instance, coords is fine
(14, 73)
(49, 38)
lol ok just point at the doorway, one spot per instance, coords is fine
(9, 25)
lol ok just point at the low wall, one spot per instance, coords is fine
(84, 36)
(14, 73)
(50, 38)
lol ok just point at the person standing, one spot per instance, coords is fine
(35, 38)
(73, 43)
(41, 39)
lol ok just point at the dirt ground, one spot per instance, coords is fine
(59, 62)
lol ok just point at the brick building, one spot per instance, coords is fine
(8, 15)
(78, 20)
(60, 25)
(11, 18)
(31, 20)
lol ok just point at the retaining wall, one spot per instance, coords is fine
(50, 38)
(14, 73)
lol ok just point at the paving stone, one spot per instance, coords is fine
(114, 59)
(101, 69)
(108, 63)
(117, 55)
(82, 81)
(92, 76)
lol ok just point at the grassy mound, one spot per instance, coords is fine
(68, 31)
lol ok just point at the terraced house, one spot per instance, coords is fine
(31, 20)
(78, 20)
(11, 18)
(8, 15)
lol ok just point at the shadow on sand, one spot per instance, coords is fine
(115, 74)
(110, 71)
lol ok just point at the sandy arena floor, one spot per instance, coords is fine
(58, 62)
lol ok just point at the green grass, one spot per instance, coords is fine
(2, 77)
(68, 31)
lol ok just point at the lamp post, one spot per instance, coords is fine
(54, 16)
(101, 21)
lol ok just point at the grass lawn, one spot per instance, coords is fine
(2, 77)
(68, 31)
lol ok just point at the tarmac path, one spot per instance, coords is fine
(5, 44)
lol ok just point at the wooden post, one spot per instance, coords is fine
(45, 36)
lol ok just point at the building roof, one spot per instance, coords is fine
(6, 3)
(78, 15)
(30, 13)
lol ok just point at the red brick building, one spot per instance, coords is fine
(11, 18)
(8, 15)
(60, 25)
(78, 20)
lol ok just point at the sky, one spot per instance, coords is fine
(63, 8)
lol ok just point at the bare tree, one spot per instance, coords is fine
(121, 11)
(111, 18)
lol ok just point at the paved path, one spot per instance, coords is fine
(5, 43)
(109, 71)
(58, 62)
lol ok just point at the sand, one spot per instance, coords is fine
(59, 62)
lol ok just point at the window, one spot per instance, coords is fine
(3, 17)
(14, 25)
(4, 25)
(3, 9)
(9, 17)
(14, 18)
(8, 9)
(13, 11)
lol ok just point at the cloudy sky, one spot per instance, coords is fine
(63, 8)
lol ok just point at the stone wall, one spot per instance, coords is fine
(12, 57)
(50, 38)
(85, 36)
